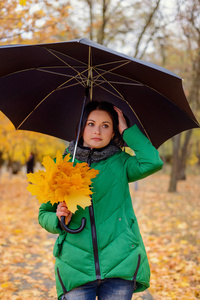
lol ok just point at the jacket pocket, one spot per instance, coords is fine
(133, 233)
(136, 271)
(61, 282)
(58, 245)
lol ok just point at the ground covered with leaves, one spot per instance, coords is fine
(169, 223)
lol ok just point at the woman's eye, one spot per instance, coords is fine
(90, 124)
(105, 126)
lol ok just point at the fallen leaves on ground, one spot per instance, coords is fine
(27, 263)
(170, 226)
(169, 223)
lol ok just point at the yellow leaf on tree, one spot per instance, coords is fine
(22, 2)
(62, 182)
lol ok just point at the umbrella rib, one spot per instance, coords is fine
(40, 104)
(110, 71)
(117, 82)
(121, 97)
(63, 61)
(139, 121)
(55, 73)
(118, 96)
(121, 76)
(52, 52)
(20, 71)
(38, 69)
(113, 62)
(79, 74)
(42, 69)
(73, 84)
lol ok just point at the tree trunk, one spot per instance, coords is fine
(175, 163)
(101, 34)
(90, 4)
(183, 157)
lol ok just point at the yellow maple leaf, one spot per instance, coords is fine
(76, 198)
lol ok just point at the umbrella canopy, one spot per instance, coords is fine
(42, 88)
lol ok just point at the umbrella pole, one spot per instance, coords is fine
(79, 125)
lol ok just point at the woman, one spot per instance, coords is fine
(107, 259)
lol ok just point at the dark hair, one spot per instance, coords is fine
(105, 106)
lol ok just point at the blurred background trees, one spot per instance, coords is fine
(16, 146)
(163, 32)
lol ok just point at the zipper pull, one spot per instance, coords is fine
(90, 156)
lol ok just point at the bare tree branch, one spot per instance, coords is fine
(151, 15)
(90, 3)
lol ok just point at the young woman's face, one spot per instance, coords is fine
(98, 130)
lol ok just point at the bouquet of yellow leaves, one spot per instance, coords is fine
(62, 181)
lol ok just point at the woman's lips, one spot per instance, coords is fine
(96, 139)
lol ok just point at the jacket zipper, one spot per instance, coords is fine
(136, 271)
(94, 242)
(93, 230)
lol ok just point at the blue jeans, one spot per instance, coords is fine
(107, 289)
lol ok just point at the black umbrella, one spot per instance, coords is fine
(42, 88)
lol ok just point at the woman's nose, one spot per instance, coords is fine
(97, 130)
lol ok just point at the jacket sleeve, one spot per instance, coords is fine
(146, 160)
(47, 218)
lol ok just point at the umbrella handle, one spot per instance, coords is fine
(73, 231)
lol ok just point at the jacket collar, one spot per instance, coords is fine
(95, 155)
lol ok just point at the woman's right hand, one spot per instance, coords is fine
(122, 121)
(62, 210)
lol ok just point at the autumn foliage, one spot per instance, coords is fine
(34, 21)
(16, 145)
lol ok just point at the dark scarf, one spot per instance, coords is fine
(95, 155)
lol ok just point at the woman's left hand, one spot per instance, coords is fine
(122, 120)
(62, 211)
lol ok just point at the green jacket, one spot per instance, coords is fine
(119, 251)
